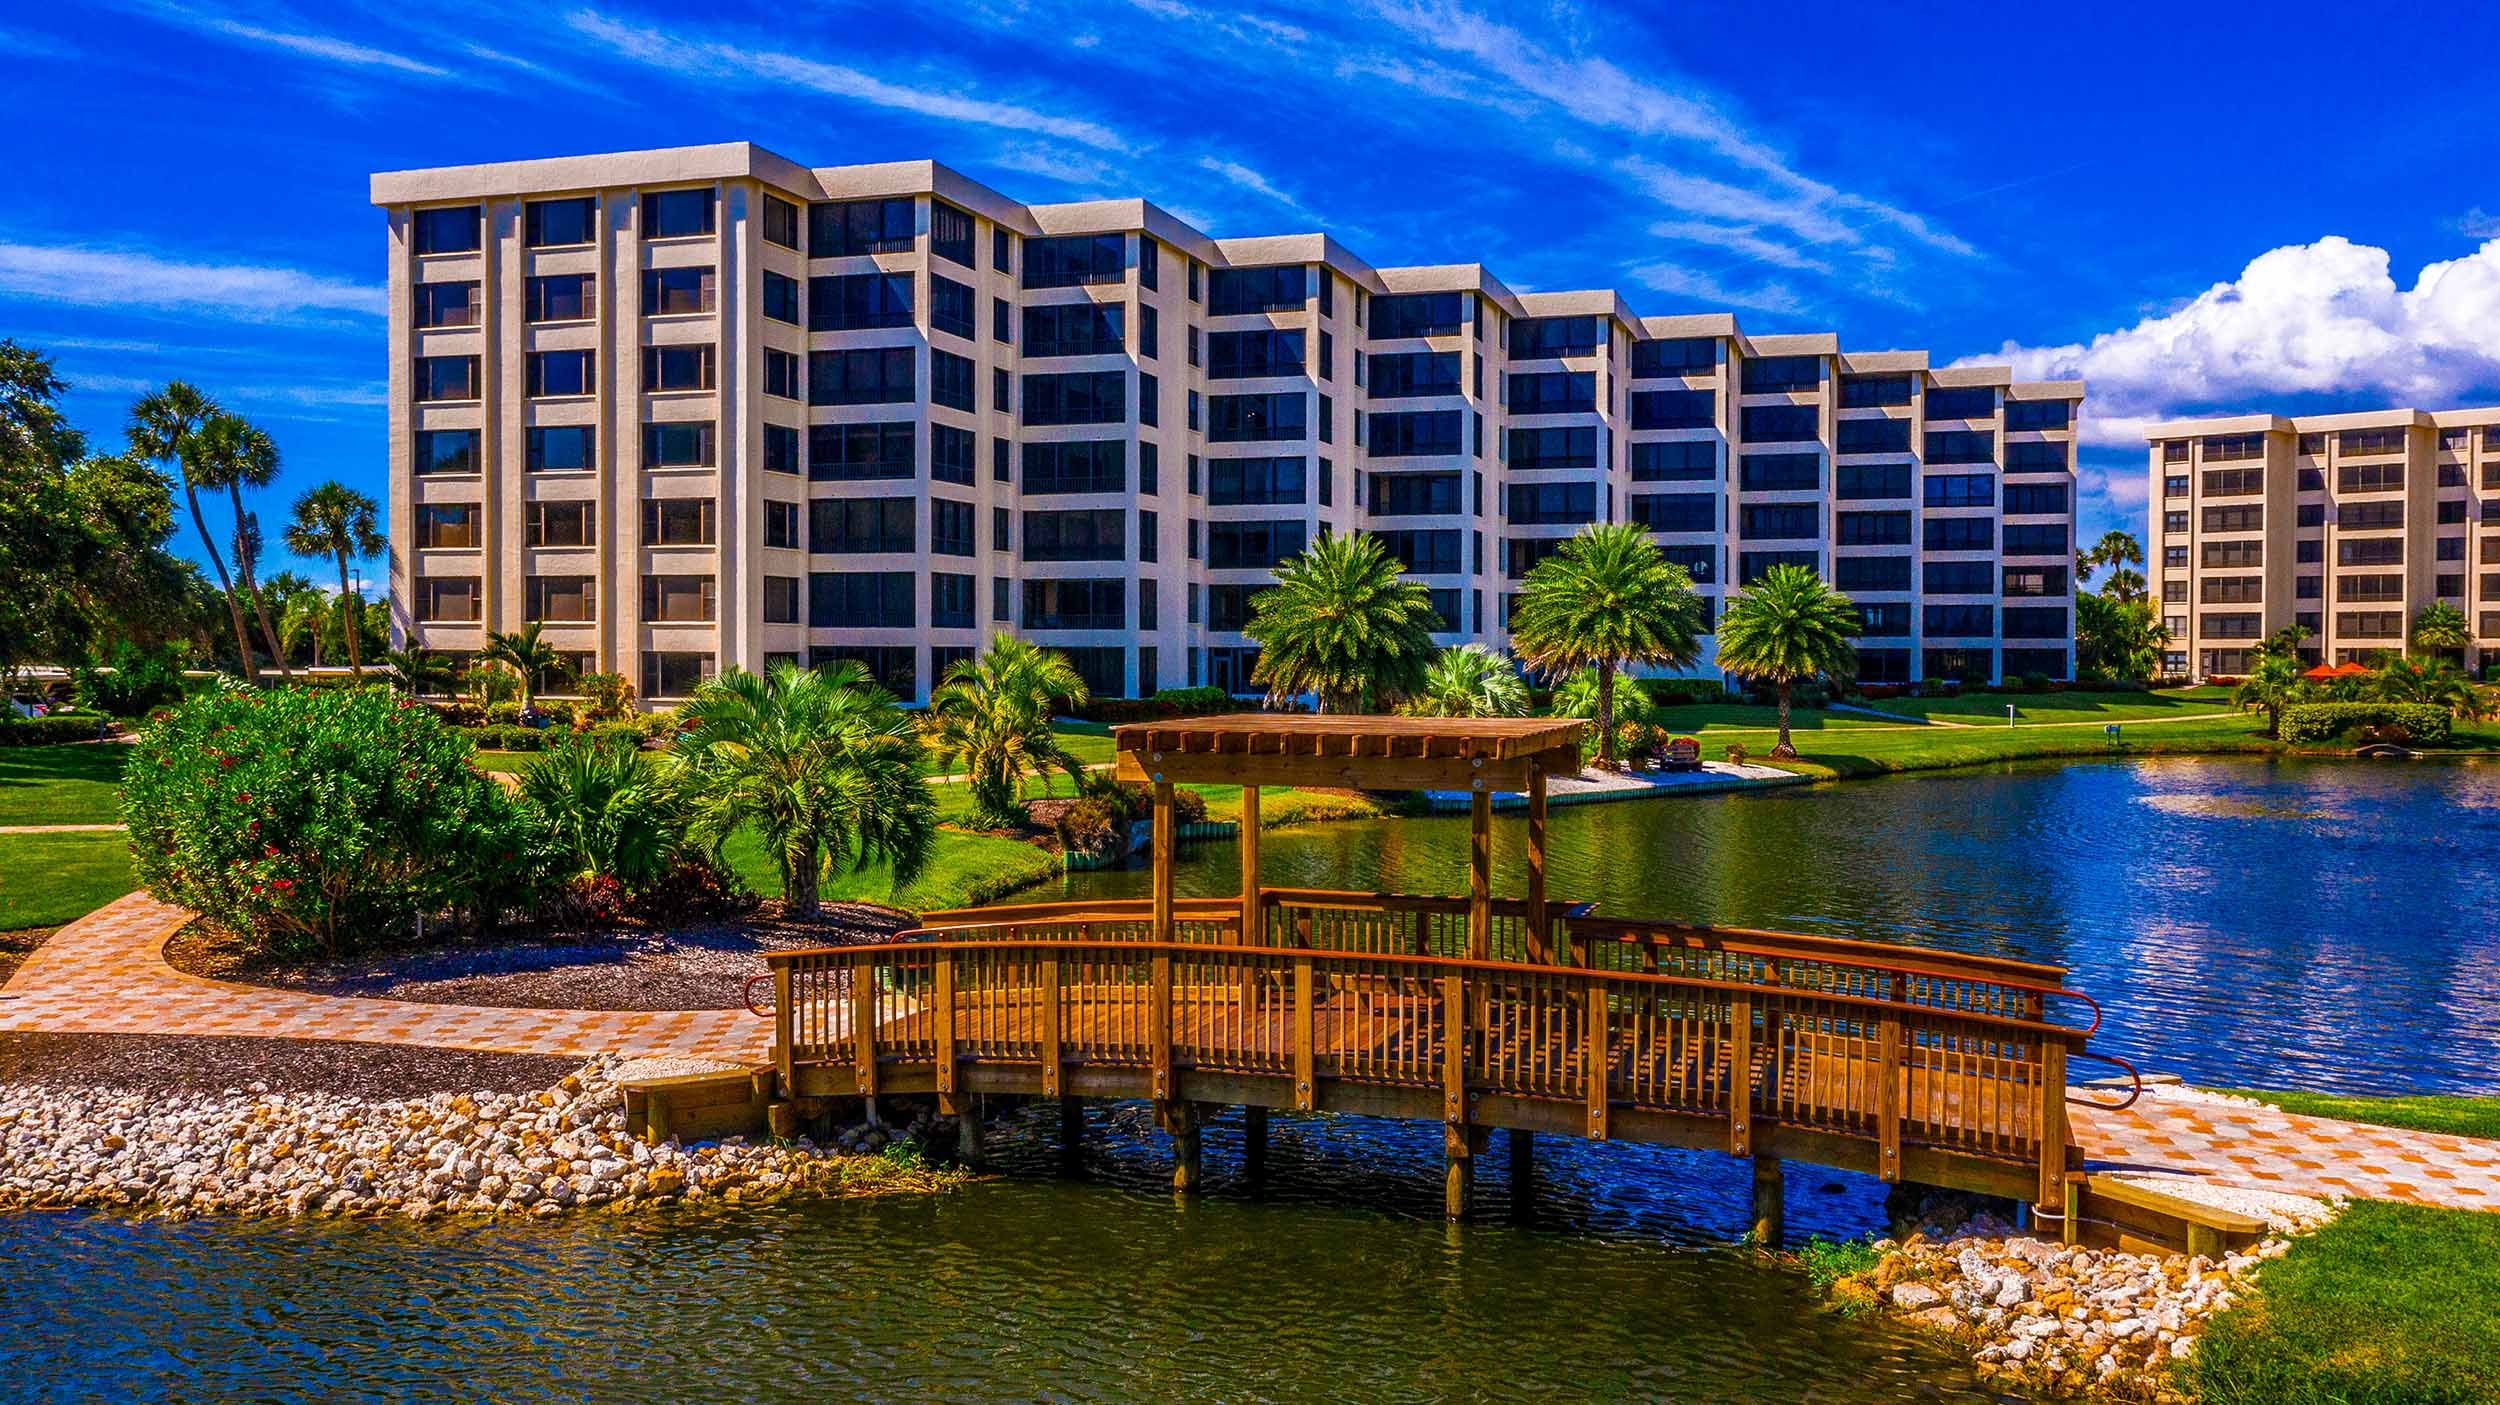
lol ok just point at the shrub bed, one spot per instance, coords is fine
(1676, 692)
(2319, 722)
(47, 731)
(491, 737)
(1171, 702)
(311, 817)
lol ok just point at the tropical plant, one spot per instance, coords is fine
(1606, 599)
(336, 521)
(2273, 685)
(1789, 628)
(1469, 681)
(2115, 548)
(129, 681)
(609, 696)
(2118, 639)
(2439, 682)
(304, 619)
(310, 816)
(604, 814)
(234, 454)
(822, 762)
(421, 671)
(1579, 696)
(991, 715)
(1340, 625)
(165, 427)
(2440, 629)
(2285, 642)
(532, 659)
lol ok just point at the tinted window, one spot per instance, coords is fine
(548, 224)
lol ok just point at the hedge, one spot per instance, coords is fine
(518, 738)
(2318, 722)
(1171, 702)
(1674, 692)
(47, 731)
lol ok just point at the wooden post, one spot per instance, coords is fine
(1250, 933)
(1254, 1142)
(1888, 1099)
(1458, 1177)
(1740, 1077)
(1050, 1052)
(942, 1026)
(1181, 1120)
(968, 1131)
(1540, 922)
(1305, 1054)
(1071, 1129)
(782, 1025)
(864, 1023)
(1597, 1050)
(1163, 846)
(1522, 1170)
(2052, 1125)
(1770, 1215)
(1480, 874)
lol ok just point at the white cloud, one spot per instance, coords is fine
(25, 46)
(119, 278)
(1250, 180)
(1673, 278)
(2306, 319)
(1052, 164)
(1746, 240)
(689, 56)
(325, 47)
(2478, 223)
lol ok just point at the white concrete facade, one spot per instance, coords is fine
(756, 483)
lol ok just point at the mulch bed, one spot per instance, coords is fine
(16, 946)
(156, 1063)
(689, 967)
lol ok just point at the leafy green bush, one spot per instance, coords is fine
(503, 714)
(301, 817)
(1094, 826)
(46, 731)
(2320, 722)
(1169, 702)
(1678, 692)
(130, 681)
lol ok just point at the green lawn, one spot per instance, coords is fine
(47, 880)
(2456, 1117)
(2035, 709)
(2389, 1303)
(1697, 718)
(61, 784)
(964, 869)
(1092, 748)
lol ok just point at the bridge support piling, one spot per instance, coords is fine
(968, 1130)
(1254, 1143)
(1522, 1145)
(1071, 1130)
(1460, 1145)
(1770, 1214)
(1180, 1119)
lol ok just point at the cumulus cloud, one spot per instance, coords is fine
(118, 278)
(2326, 318)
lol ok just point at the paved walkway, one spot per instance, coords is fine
(2198, 1136)
(62, 828)
(106, 974)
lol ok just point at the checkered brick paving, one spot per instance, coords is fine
(2177, 1132)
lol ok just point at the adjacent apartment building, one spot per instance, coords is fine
(2348, 524)
(705, 407)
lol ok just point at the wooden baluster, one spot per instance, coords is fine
(1305, 1056)
(864, 1022)
(1047, 993)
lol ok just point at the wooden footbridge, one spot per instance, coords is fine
(1523, 1014)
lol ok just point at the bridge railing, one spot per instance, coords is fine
(1743, 1041)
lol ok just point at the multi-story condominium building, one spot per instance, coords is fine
(703, 406)
(2347, 524)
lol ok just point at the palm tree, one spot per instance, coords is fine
(2438, 682)
(165, 428)
(991, 715)
(822, 762)
(2286, 641)
(2124, 585)
(1470, 681)
(305, 617)
(235, 454)
(2118, 639)
(2273, 685)
(1788, 627)
(2117, 548)
(336, 521)
(2439, 629)
(604, 812)
(1606, 599)
(1340, 625)
(526, 654)
(421, 671)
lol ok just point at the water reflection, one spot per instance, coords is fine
(2244, 921)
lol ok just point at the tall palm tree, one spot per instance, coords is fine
(526, 654)
(2440, 629)
(236, 454)
(1787, 628)
(991, 715)
(1606, 599)
(305, 617)
(2118, 639)
(336, 521)
(1470, 681)
(422, 671)
(1340, 625)
(822, 762)
(2273, 685)
(2117, 548)
(165, 428)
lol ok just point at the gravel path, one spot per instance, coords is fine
(694, 968)
(159, 1063)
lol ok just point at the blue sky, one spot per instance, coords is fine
(2196, 209)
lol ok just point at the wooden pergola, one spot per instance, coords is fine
(1479, 755)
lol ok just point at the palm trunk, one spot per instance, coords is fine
(225, 583)
(351, 619)
(798, 894)
(1784, 749)
(251, 587)
(1606, 714)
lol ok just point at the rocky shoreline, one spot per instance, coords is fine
(252, 1151)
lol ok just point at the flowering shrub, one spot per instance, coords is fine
(329, 818)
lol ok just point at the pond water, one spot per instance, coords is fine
(2249, 922)
(2244, 922)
